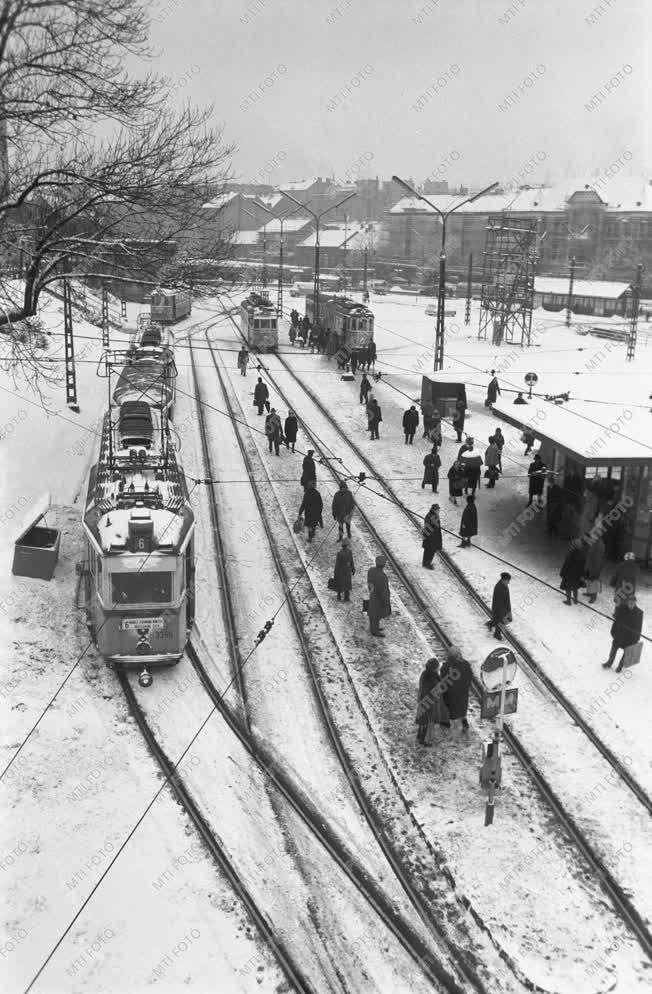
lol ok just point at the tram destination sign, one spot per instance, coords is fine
(133, 624)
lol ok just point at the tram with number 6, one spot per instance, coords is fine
(259, 323)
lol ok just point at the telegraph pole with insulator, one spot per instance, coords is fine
(571, 280)
(69, 350)
(467, 309)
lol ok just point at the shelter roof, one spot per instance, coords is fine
(592, 434)
(604, 289)
(291, 224)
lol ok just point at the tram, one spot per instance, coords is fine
(259, 323)
(138, 524)
(348, 318)
(168, 306)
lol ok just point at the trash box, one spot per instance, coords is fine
(36, 550)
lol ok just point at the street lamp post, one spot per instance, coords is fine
(441, 296)
(317, 218)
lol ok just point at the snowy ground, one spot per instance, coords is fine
(84, 777)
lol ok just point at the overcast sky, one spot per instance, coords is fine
(458, 89)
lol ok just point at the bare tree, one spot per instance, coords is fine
(110, 209)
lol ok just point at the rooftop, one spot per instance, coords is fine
(584, 431)
(334, 236)
(604, 289)
(222, 199)
(291, 224)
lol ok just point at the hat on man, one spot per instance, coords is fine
(505, 576)
(381, 561)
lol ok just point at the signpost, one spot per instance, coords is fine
(531, 379)
(497, 672)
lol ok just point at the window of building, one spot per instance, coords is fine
(141, 588)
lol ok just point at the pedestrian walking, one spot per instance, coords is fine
(290, 430)
(501, 606)
(354, 361)
(344, 570)
(342, 509)
(243, 360)
(431, 467)
(492, 462)
(375, 417)
(432, 540)
(471, 463)
(292, 334)
(456, 677)
(469, 522)
(308, 469)
(625, 578)
(274, 431)
(528, 438)
(455, 481)
(371, 354)
(554, 508)
(493, 390)
(625, 630)
(379, 605)
(261, 395)
(427, 411)
(593, 564)
(431, 708)
(458, 417)
(536, 477)
(499, 441)
(365, 387)
(312, 508)
(572, 571)
(410, 424)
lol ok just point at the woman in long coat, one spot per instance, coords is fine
(379, 606)
(455, 482)
(312, 507)
(572, 571)
(291, 427)
(593, 568)
(456, 678)
(344, 570)
(431, 466)
(469, 523)
(431, 709)
(432, 542)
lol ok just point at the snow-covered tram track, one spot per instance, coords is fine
(632, 797)
(417, 941)
(225, 864)
(318, 644)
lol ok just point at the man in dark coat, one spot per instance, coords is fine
(537, 477)
(493, 390)
(342, 509)
(432, 541)
(354, 361)
(572, 570)
(261, 394)
(593, 567)
(456, 480)
(431, 467)
(431, 708)
(371, 354)
(456, 677)
(344, 570)
(458, 417)
(410, 422)
(554, 508)
(309, 470)
(243, 359)
(365, 387)
(312, 507)
(273, 430)
(626, 629)
(379, 606)
(501, 605)
(375, 417)
(469, 523)
(291, 428)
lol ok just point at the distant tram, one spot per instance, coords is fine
(168, 306)
(259, 323)
(348, 318)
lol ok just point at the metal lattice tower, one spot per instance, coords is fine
(69, 349)
(636, 301)
(469, 279)
(508, 270)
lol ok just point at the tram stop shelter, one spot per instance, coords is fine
(601, 457)
(443, 391)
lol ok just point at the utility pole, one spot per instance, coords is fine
(364, 272)
(317, 217)
(570, 291)
(105, 318)
(636, 303)
(467, 309)
(69, 350)
(441, 296)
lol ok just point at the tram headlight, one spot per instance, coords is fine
(145, 678)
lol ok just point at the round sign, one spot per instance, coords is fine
(531, 379)
(491, 670)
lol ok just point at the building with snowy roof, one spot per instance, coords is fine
(335, 240)
(604, 298)
(600, 456)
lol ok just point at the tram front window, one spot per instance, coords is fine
(141, 588)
